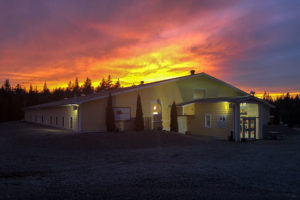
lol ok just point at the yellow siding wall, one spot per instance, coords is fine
(93, 115)
(196, 124)
(189, 109)
(35, 115)
(93, 112)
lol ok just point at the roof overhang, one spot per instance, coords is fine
(237, 99)
(83, 99)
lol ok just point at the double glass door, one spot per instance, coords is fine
(248, 127)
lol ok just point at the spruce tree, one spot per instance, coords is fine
(76, 88)
(117, 84)
(102, 86)
(7, 87)
(109, 83)
(139, 120)
(46, 91)
(87, 87)
(110, 118)
(174, 121)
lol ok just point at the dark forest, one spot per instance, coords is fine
(14, 99)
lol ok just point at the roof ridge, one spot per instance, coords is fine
(99, 95)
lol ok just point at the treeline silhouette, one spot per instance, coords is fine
(14, 99)
(287, 109)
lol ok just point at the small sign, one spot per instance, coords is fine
(122, 114)
(221, 121)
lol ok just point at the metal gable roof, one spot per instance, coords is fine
(101, 95)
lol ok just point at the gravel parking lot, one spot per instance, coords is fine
(45, 163)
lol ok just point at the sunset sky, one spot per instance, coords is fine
(254, 45)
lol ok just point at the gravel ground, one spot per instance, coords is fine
(46, 163)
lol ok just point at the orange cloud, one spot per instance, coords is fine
(142, 40)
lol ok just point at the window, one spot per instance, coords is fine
(50, 119)
(207, 120)
(42, 119)
(199, 93)
(71, 122)
(63, 122)
(56, 121)
(155, 108)
(243, 108)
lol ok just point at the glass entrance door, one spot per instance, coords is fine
(248, 130)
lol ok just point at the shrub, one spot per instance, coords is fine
(139, 120)
(174, 121)
(110, 118)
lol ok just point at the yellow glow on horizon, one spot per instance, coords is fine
(277, 95)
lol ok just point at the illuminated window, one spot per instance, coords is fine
(207, 120)
(243, 108)
(199, 93)
(155, 108)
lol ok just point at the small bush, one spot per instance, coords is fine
(139, 120)
(174, 121)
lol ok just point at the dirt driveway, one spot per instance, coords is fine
(44, 163)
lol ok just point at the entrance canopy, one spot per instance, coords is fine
(237, 99)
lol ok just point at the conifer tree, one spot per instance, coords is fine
(46, 91)
(68, 91)
(139, 120)
(117, 84)
(76, 89)
(7, 87)
(174, 121)
(108, 83)
(110, 118)
(87, 86)
(102, 86)
(30, 89)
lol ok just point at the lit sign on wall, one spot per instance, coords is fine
(122, 114)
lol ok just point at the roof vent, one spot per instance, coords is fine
(192, 72)
(142, 83)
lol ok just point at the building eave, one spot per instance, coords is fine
(97, 96)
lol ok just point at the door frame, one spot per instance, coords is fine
(249, 129)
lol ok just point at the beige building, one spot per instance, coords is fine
(205, 106)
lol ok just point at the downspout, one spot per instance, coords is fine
(260, 121)
(79, 118)
(237, 121)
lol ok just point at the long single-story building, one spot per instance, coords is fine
(205, 106)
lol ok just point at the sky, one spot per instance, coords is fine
(254, 44)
